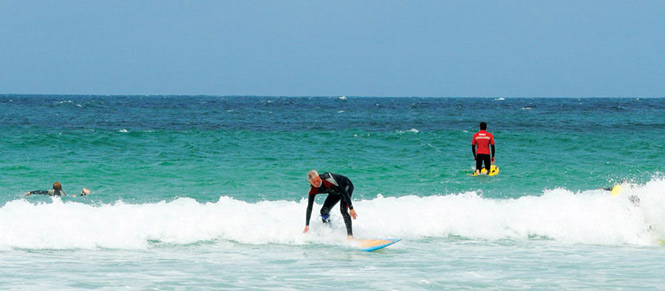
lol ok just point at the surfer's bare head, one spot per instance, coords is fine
(57, 186)
(483, 125)
(314, 179)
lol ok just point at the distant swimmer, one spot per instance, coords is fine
(338, 188)
(614, 190)
(56, 191)
(483, 140)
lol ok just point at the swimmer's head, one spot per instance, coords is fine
(57, 186)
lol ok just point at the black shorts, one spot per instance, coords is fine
(480, 158)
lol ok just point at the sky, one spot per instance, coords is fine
(334, 48)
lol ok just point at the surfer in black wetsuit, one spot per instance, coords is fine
(56, 191)
(338, 188)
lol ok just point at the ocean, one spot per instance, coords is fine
(208, 192)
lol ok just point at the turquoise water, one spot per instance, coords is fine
(208, 192)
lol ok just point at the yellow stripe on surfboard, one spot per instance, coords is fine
(366, 243)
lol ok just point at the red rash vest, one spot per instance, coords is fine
(483, 140)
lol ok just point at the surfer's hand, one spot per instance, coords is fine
(493, 159)
(306, 229)
(353, 213)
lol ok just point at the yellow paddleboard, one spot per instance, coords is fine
(494, 170)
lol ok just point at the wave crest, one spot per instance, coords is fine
(588, 217)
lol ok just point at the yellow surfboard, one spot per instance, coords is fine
(494, 170)
(616, 190)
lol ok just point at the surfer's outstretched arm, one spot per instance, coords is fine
(308, 214)
(347, 197)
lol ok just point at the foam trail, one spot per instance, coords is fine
(589, 217)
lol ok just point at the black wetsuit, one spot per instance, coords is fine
(483, 140)
(51, 192)
(338, 188)
(486, 159)
(483, 158)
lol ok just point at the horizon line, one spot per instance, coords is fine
(306, 96)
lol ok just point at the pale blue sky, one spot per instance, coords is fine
(329, 48)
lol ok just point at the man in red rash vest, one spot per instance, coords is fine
(483, 140)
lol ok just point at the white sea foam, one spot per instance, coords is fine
(589, 217)
(413, 130)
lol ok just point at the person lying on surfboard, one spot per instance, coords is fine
(56, 191)
(483, 140)
(338, 188)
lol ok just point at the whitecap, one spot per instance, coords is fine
(588, 217)
(413, 130)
